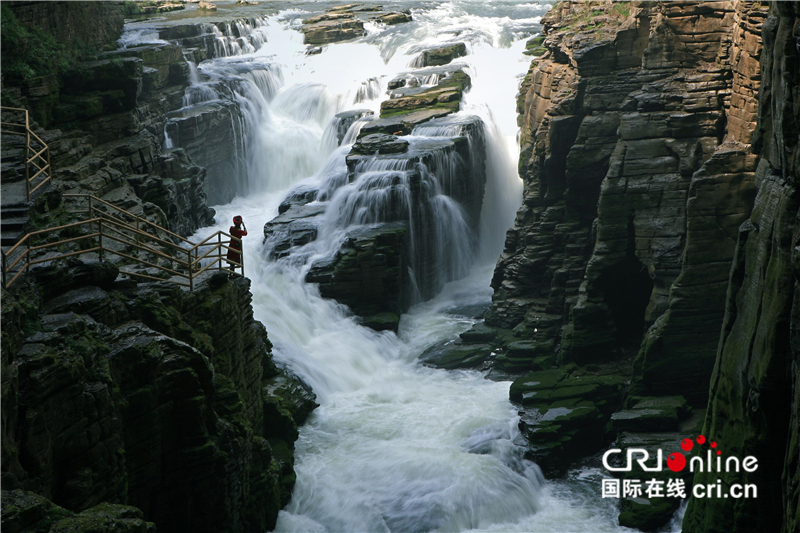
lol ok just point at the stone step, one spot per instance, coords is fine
(9, 238)
(13, 221)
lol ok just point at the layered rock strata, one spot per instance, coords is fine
(639, 169)
(659, 158)
(753, 408)
(345, 22)
(146, 395)
(397, 257)
(110, 111)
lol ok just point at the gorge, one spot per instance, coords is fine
(379, 368)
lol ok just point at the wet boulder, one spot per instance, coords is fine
(452, 355)
(442, 55)
(296, 226)
(346, 119)
(333, 26)
(301, 195)
(369, 273)
(379, 143)
(390, 19)
(564, 415)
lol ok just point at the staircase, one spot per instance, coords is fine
(111, 233)
(107, 231)
(25, 168)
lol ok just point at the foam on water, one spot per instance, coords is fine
(394, 446)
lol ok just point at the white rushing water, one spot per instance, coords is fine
(394, 446)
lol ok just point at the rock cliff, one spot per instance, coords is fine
(659, 233)
(104, 113)
(147, 395)
(129, 406)
(755, 386)
(639, 169)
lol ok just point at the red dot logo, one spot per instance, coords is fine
(700, 439)
(676, 462)
(687, 445)
(719, 452)
(713, 444)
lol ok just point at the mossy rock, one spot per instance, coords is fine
(647, 514)
(25, 512)
(678, 402)
(278, 420)
(457, 355)
(480, 332)
(443, 55)
(535, 47)
(529, 385)
(381, 321)
(557, 436)
(646, 420)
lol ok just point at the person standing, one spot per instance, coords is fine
(238, 230)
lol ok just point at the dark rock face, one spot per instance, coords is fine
(113, 111)
(659, 153)
(96, 24)
(331, 27)
(754, 405)
(369, 274)
(151, 396)
(441, 56)
(193, 130)
(26, 512)
(639, 169)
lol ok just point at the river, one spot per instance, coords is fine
(394, 445)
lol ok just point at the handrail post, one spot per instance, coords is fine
(27, 176)
(100, 238)
(191, 274)
(27, 157)
(219, 250)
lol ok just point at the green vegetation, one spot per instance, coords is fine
(621, 9)
(30, 52)
(132, 8)
(535, 47)
(27, 52)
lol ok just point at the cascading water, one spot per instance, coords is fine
(394, 446)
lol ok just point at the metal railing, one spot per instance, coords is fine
(37, 153)
(182, 259)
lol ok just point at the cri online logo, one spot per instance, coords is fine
(677, 462)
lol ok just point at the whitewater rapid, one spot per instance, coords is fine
(394, 446)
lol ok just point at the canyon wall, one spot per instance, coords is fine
(659, 228)
(146, 395)
(754, 407)
(639, 170)
(128, 406)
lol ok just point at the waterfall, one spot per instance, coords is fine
(238, 38)
(394, 446)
